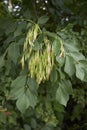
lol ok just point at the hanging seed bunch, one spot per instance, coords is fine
(29, 43)
(40, 63)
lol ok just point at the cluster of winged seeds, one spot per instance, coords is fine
(40, 62)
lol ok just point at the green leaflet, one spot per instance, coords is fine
(62, 75)
(20, 27)
(32, 98)
(33, 86)
(43, 19)
(11, 28)
(53, 76)
(77, 56)
(25, 91)
(63, 92)
(84, 66)
(32, 91)
(19, 82)
(72, 45)
(14, 52)
(17, 87)
(26, 99)
(56, 47)
(80, 71)
(16, 92)
(73, 66)
(60, 60)
(22, 103)
(69, 67)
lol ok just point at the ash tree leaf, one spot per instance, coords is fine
(83, 63)
(43, 19)
(32, 98)
(56, 47)
(77, 56)
(80, 71)
(22, 103)
(84, 66)
(62, 75)
(72, 45)
(20, 27)
(17, 87)
(63, 92)
(31, 92)
(19, 82)
(11, 28)
(60, 60)
(33, 86)
(68, 85)
(14, 52)
(25, 98)
(53, 76)
(16, 92)
(69, 67)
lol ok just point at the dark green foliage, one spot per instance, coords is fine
(43, 65)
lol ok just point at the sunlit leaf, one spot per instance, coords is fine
(69, 66)
(79, 71)
(22, 103)
(77, 56)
